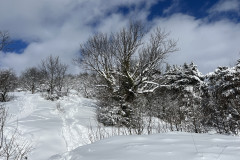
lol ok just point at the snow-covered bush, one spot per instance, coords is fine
(113, 111)
(224, 99)
(178, 100)
(8, 82)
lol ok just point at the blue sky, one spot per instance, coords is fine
(208, 31)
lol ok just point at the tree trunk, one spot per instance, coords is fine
(33, 89)
(3, 95)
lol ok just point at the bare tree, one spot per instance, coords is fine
(4, 40)
(31, 79)
(128, 65)
(10, 146)
(124, 61)
(54, 72)
(84, 84)
(61, 74)
(8, 82)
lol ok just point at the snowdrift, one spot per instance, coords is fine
(167, 146)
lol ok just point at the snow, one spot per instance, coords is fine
(51, 130)
(172, 146)
(59, 131)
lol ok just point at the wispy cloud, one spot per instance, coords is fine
(172, 8)
(226, 6)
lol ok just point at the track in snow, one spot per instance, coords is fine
(50, 130)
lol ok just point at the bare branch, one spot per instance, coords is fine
(11, 146)
(4, 40)
(54, 72)
(124, 61)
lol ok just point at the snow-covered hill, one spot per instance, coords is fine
(169, 146)
(51, 129)
(59, 130)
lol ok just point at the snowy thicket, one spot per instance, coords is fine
(185, 99)
(48, 78)
(178, 100)
(84, 83)
(34, 80)
(224, 99)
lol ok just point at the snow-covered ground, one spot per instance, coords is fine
(165, 146)
(59, 130)
(51, 130)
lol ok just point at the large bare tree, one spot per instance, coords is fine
(127, 63)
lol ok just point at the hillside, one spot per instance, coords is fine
(59, 130)
(49, 129)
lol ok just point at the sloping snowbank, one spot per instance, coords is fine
(166, 146)
(52, 127)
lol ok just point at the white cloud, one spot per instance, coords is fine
(209, 45)
(59, 26)
(40, 20)
(226, 6)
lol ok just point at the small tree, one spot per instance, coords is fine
(8, 82)
(54, 72)
(31, 79)
(61, 73)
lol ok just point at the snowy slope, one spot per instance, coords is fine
(51, 130)
(59, 130)
(169, 146)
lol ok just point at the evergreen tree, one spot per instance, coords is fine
(224, 104)
(181, 92)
